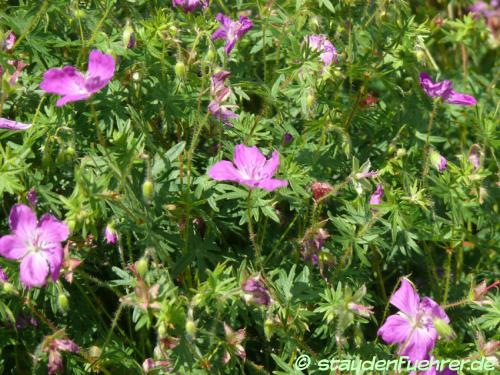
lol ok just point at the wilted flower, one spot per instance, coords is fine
(487, 349)
(444, 90)
(438, 161)
(13, 125)
(474, 156)
(9, 41)
(54, 349)
(482, 289)
(252, 169)
(69, 264)
(256, 292)
(32, 197)
(3, 275)
(190, 5)
(369, 100)
(320, 189)
(234, 340)
(72, 85)
(412, 327)
(312, 243)
(287, 138)
(150, 364)
(490, 12)
(19, 65)
(36, 244)
(231, 31)
(320, 43)
(220, 93)
(376, 197)
(111, 234)
(362, 310)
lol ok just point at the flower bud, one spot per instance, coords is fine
(190, 328)
(401, 152)
(420, 55)
(79, 13)
(180, 69)
(147, 190)
(320, 189)
(310, 99)
(63, 302)
(443, 329)
(268, 328)
(9, 288)
(211, 54)
(438, 161)
(141, 266)
(162, 330)
(128, 36)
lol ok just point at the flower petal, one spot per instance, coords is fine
(406, 299)
(395, 330)
(22, 221)
(12, 247)
(52, 230)
(13, 125)
(71, 98)
(434, 309)
(34, 270)
(248, 159)
(224, 171)
(420, 344)
(460, 99)
(100, 71)
(271, 165)
(65, 81)
(272, 184)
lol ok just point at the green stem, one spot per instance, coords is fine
(252, 232)
(447, 277)
(425, 170)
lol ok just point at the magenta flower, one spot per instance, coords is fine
(231, 31)
(252, 169)
(220, 93)
(256, 292)
(13, 125)
(412, 327)
(111, 234)
(438, 161)
(376, 197)
(320, 43)
(444, 90)
(54, 349)
(36, 244)
(190, 5)
(72, 85)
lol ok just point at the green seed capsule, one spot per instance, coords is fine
(190, 328)
(147, 190)
(162, 330)
(268, 328)
(310, 100)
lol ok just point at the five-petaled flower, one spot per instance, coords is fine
(444, 90)
(36, 244)
(231, 31)
(190, 5)
(250, 168)
(320, 43)
(72, 85)
(220, 93)
(412, 327)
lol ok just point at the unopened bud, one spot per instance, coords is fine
(268, 328)
(310, 99)
(147, 190)
(443, 329)
(8, 288)
(180, 69)
(190, 327)
(63, 302)
(141, 266)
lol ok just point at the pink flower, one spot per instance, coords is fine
(19, 65)
(252, 169)
(32, 197)
(438, 161)
(376, 197)
(111, 234)
(362, 310)
(190, 5)
(320, 43)
(13, 125)
(412, 327)
(231, 31)
(72, 85)
(474, 156)
(444, 89)
(220, 93)
(36, 244)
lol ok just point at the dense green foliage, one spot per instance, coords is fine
(92, 164)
